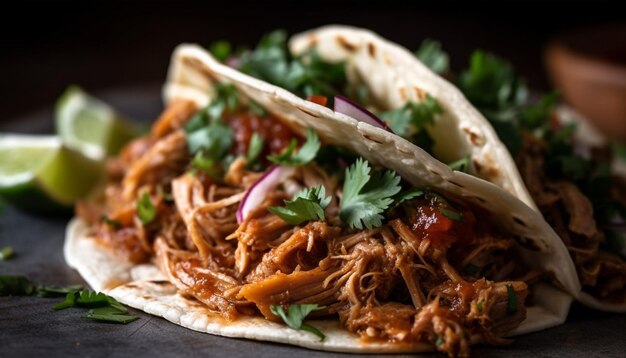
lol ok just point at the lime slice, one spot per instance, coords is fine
(39, 173)
(90, 125)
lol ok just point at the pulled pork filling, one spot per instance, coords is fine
(602, 273)
(424, 275)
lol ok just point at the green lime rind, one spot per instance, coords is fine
(91, 126)
(49, 182)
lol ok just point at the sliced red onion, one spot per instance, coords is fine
(349, 108)
(233, 61)
(258, 191)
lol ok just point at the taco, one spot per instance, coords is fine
(261, 209)
(565, 173)
(570, 181)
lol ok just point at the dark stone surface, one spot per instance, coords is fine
(29, 327)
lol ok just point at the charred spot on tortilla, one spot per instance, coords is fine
(519, 221)
(372, 138)
(421, 94)
(347, 45)
(160, 282)
(455, 183)
(403, 94)
(475, 138)
(371, 49)
(308, 111)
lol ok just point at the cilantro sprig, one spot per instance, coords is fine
(410, 121)
(295, 315)
(271, 61)
(433, 56)
(303, 156)
(366, 196)
(146, 211)
(309, 204)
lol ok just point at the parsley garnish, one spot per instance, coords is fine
(145, 209)
(295, 316)
(305, 154)
(255, 147)
(6, 253)
(365, 196)
(309, 204)
(512, 299)
(431, 55)
(410, 121)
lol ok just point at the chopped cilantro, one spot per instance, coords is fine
(365, 196)
(410, 121)
(479, 305)
(433, 56)
(113, 224)
(512, 299)
(221, 50)
(56, 291)
(295, 315)
(305, 75)
(305, 154)
(255, 147)
(16, 286)
(145, 209)
(309, 204)
(408, 195)
(439, 341)
(462, 165)
(451, 214)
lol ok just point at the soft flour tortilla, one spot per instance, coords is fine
(144, 287)
(393, 76)
(191, 75)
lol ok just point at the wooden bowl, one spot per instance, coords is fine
(588, 67)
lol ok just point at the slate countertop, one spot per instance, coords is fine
(29, 327)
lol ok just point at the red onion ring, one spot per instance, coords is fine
(257, 193)
(349, 108)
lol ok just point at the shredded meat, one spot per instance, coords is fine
(402, 282)
(571, 214)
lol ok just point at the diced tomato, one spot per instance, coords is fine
(321, 100)
(429, 223)
(276, 135)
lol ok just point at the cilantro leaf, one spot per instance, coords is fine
(110, 318)
(408, 195)
(433, 56)
(309, 204)
(221, 50)
(56, 291)
(451, 214)
(16, 286)
(512, 299)
(215, 139)
(255, 147)
(113, 224)
(304, 75)
(305, 154)
(145, 209)
(462, 165)
(295, 316)
(365, 196)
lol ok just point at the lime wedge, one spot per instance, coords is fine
(40, 174)
(89, 125)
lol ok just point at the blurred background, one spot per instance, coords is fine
(102, 45)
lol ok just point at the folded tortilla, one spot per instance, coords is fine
(394, 76)
(191, 75)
